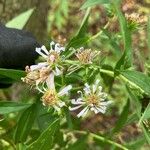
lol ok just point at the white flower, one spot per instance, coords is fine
(52, 58)
(51, 97)
(91, 99)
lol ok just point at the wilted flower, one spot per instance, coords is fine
(51, 97)
(31, 77)
(135, 18)
(36, 76)
(92, 99)
(86, 56)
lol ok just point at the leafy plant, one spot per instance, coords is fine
(81, 87)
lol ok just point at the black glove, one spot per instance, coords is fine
(17, 48)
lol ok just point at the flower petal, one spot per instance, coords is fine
(65, 90)
(38, 66)
(51, 44)
(100, 110)
(74, 108)
(83, 112)
(59, 48)
(50, 81)
(78, 101)
(45, 50)
(87, 89)
(94, 109)
(38, 50)
(105, 103)
(95, 85)
(57, 71)
(61, 103)
(56, 108)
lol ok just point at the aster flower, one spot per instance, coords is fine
(91, 99)
(52, 58)
(51, 97)
(86, 56)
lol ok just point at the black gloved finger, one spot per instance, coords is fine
(17, 48)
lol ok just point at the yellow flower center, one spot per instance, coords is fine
(92, 99)
(50, 98)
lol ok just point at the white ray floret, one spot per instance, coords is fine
(92, 99)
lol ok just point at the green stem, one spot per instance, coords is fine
(99, 33)
(98, 137)
(108, 72)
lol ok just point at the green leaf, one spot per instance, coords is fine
(135, 102)
(146, 133)
(137, 79)
(137, 107)
(80, 144)
(45, 141)
(20, 21)
(113, 43)
(146, 114)
(9, 107)
(77, 42)
(90, 3)
(126, 59)
(25, 123)
(12, 74)
(123, 118)
(81, 36)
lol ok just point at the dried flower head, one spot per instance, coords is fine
(35, 76)
(31, 77)
(136, 18)
(86, 56)
(92, 99)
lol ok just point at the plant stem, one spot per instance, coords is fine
(99, 33)
(98, 137)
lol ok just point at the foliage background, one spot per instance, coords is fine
(26, 124)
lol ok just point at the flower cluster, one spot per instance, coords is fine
(42, 76)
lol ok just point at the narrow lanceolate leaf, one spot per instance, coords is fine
(89, 3)
(25, 123)
(81, 37)
(9, 107)
(138, 112)
(126, 60)
(123, 118)
(45, 141)
(20, 21)
(137, 79)
(146, 114)
(12, 74)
